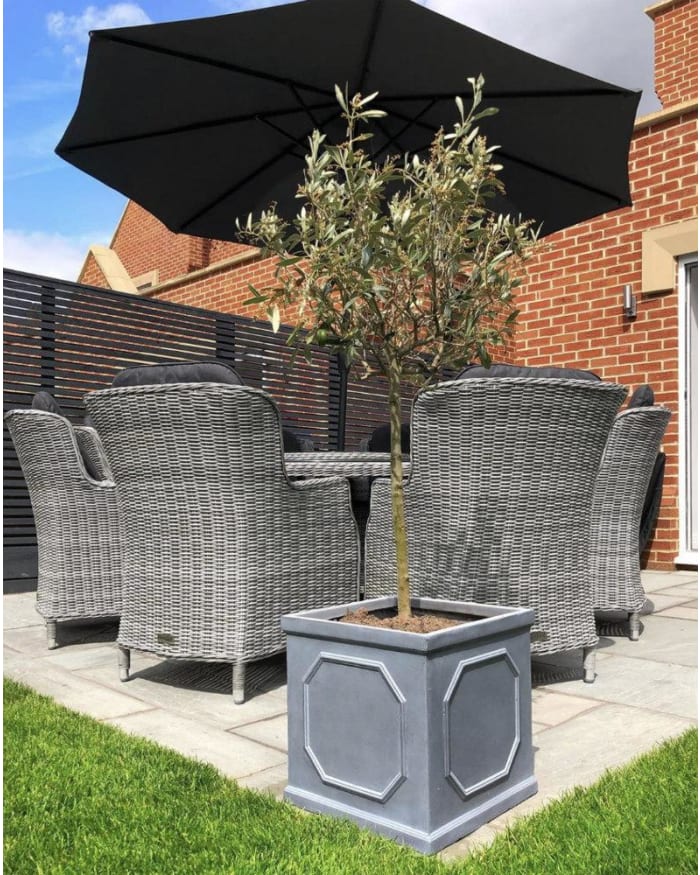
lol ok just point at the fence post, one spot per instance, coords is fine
(339, 370)
(47, 334)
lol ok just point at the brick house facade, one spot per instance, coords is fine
(571, 303)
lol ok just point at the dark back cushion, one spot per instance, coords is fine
(498, 369)
(178, 372)
(45, 401)
(205, 371)
(643, 396)
(380, 439)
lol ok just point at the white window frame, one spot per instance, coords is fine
(686, 556)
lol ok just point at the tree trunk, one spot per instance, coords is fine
(397, 506)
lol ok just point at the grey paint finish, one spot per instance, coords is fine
(423, 738)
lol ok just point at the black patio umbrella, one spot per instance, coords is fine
(206, 120)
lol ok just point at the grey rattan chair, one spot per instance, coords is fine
(498, 501)
(618, 501)
(76, 515)
(219, 544)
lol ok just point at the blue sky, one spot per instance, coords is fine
(53, 212)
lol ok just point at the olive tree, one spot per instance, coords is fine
(403, 266)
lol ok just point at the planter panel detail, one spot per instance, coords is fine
(486, 754)
(331, 736)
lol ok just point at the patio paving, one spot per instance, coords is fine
(645, 692)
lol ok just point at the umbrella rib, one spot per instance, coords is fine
(302, 104)
(180, 129)
(234, 188)
(562, 177)
(409, 121)
(369, 45)
(279, 130)
(208, 62)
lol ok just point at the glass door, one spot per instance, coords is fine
(688, 287)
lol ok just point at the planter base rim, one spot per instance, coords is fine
(426, 842)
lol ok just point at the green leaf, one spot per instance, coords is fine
(368, 98)
(340, 97)
(258, 297)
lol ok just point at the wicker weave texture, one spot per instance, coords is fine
(92, 452)
(77, 521)
(219, 543)
(498, 501)
(618, 501)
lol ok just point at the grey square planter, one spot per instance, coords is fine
(422, 738)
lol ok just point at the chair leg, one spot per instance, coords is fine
(239, 682)
(124, 659)
(634, 625)
(51, 634)
(589, 665)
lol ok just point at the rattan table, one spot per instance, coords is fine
(351, 465)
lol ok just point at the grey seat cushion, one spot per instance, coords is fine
(500, 369)
(205, 371)
(643, 396)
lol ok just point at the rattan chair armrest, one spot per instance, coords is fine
(92, 451)
(318, 482)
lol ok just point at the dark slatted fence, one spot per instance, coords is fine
(70, 339)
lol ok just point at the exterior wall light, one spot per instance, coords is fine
(629, 302)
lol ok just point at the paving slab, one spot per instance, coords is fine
(687, 590)
(550, 708)
(681, 612)
(23, 612)
(659, 581)
(663, 639)
(272, 781)
(272, 732)
(663, 687)
(193, 688)
(71, 690)
(235, 757)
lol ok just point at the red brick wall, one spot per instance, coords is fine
(144, 244)
(224, 289)
(675, 52)
(91, 274)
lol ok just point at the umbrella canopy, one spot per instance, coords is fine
(206, 120)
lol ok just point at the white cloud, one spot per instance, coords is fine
(48, 254)
(608, 39)
(73, 31)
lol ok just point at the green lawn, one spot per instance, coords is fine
(81, 797)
